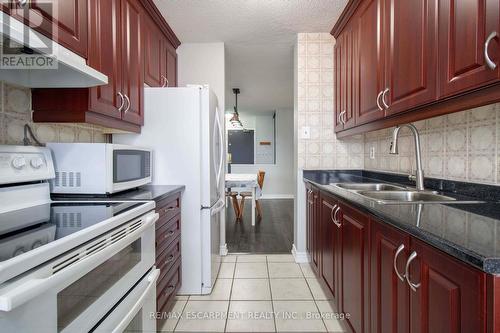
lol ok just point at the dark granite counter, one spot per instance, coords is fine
(468, 232)
(146, 192)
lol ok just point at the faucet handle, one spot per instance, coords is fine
(412, 178)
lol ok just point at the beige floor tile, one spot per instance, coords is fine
(290, 289)
(220, 292)
(229, 258)
(250, 316)
(182, 297)
(251, 270)
(252, 258)
(284, 270)
(203, 316)
(226, 270)
(251, 289)
(307, 270)
(318, 292)
(298, 316)
(280, 258)
(330, 316)
(171, 318)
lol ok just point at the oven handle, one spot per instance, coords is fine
(32, 288)
(152, 278)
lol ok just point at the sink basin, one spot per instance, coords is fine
(369, 187)
(406, 197)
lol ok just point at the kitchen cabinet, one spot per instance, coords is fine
(331, 242)
(155, 62)
(313, 227)
(464, 31)
(355, 268)
(171, 69)
(68, 17)
(390, 294)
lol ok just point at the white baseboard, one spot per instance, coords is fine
(223, 250)
(300, 257)
(273, 196)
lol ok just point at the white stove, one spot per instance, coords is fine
(71, 266)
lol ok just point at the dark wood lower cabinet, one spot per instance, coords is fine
(363, 262)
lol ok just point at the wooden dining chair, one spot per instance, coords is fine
(234, 200)
(260, 180)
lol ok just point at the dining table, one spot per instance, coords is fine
(245, 182)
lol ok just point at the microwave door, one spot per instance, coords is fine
(131, 168)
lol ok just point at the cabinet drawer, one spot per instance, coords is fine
(168, 286)
(166, 259)
(169, 207)
(166, 234)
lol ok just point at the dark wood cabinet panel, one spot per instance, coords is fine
(450, 297)
(411, 54)
(355, 268)
(62, 20)
(464, 27)
(370, 61)
(338, 52)
(313, 227)
(389, 295)
(171, 70)
(155, 62)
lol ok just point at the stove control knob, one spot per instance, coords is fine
(18, 163)
(36, 162)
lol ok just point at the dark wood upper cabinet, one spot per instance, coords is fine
(450, 296)
(389, 294)
(410, 42)
(62, 20)
(171, 70)
(464, 27)
(155, 62)
(339, 66)
(369, 63)
(355, 268)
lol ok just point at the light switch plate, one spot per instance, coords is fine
(305, 132)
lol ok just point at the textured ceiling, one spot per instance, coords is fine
(259, 37)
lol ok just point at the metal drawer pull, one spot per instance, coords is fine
(22, 3)
(413, 286)
(491, 65)
(169, 209)
(335, 210)
(343, 118)
(332, 215)
(383, 98)
(169, 290)
(170, 259)
(398, 251)
(170, 233)
(378, 100)
(128, 103)
(122, 103)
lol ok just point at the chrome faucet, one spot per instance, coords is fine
(419, 176)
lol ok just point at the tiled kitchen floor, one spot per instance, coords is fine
(258, 293)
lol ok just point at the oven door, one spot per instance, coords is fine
(136, 312)
(131, 167)
(76, 291)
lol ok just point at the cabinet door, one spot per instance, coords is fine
(450, 297)
(105, 56)
(132, 60)
(355, 268)
(330, 244)
(67, 17)
(171, 71)
(339, 82)
(411, 54)
(370, 61)
(313, 228)
(389, 295)
(154, 54)
(349, 75)
(463, 29)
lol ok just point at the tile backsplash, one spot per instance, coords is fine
(315, 108)
(15, 112)
(459, 146)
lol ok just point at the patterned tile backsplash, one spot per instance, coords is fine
(15, 112)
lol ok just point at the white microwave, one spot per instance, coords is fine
(99, 168)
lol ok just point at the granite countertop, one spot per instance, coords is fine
(468, 232)
(146, 192)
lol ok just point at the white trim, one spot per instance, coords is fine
(223, 250)
(273, 196)
(300, 257)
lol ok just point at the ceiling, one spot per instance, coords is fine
(259, 36)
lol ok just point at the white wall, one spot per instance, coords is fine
(203, 63)
(279, 178)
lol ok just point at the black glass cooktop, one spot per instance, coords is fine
(26, 229)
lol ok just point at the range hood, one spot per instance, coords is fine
(66, 70)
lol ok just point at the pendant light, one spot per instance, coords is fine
(235, 119)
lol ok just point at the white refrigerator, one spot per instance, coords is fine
(185, 129)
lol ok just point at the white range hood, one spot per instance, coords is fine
(69, 70)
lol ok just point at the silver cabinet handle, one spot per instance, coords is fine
(332, 216)
(398, 251)
(128, 103)
(491, 65)
(338, 118)
(335, 220)
(343, 117)
(22, 3)
(122, 103)
(165, 81)
(413, 286)
(383, 98)
(378, 101)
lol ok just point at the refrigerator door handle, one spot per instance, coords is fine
(221, 143)
(219, 205)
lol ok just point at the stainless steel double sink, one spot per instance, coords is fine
(396, 194)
